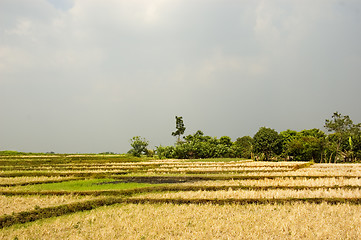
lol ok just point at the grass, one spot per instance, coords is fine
(82, 185)
(31, 180)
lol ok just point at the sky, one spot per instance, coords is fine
(85, 76)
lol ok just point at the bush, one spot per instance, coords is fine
(165, 152)
(139, 146)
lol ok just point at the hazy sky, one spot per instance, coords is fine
(88, 75)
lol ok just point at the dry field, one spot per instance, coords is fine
(15, 204)
(90, 197)
(169, 221)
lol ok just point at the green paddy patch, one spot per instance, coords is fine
(84, 185)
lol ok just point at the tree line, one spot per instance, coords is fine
(341, 143)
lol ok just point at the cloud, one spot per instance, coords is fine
(101, 72)
(62, 5)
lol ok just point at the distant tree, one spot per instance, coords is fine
(196, 137)
(340, 124)
(244, 147)
(343, 130)
(287, 136)
(305, 148)
(314, 132)
(356, 145)
(267, 141)
(139, 146)
(198, 145)
(180, 128)
(225, 140)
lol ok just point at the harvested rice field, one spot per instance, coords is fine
(112, 197)
(16, 204)
(191, 221)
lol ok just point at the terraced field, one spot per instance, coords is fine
(112, 197)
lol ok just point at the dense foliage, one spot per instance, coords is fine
(200, 146)
(342, 144)
(267, 142)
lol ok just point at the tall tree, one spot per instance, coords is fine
(244, 147)
(179, 125)
(342, 129)
(267, 141)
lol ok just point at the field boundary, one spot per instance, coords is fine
(194, 178)
(130, 192)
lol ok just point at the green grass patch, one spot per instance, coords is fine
(83, 185)
(90, 174)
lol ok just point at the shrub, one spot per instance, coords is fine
(139, 146)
